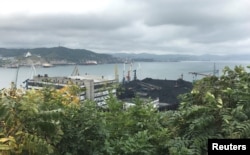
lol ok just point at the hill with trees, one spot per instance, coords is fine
(60, 53)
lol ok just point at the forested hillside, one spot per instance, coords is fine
(60, 53)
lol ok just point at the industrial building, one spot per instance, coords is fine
(95, 88)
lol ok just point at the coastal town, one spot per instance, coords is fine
(48, 57)
(163, 93)
(28, 60)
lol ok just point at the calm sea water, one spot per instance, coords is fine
(155, 70)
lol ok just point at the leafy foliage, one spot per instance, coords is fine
(216, 108)
(114, 130)
(55, 122)
(27, 127)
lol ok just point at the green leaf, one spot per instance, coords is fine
(4, 147)
(219, 100)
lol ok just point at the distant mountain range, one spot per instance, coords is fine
(180, 57)
(80, 56)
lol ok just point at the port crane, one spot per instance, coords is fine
(196, 73)
(212, 73)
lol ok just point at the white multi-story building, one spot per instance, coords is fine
(95, 88)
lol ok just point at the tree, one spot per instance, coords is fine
(89, 129)
(28, 126)
(215, 108)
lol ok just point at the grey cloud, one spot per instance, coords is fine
(213, 20)
(195, 12)
(64, 21)
(162, 26)
(222, 34)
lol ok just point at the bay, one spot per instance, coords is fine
(155, 70)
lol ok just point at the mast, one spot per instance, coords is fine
(15, 83)
(75, 71)
(116, 74)
(123, 74)
(215, 71)
(135, 77)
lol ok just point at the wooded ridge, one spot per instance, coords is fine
(60, 53)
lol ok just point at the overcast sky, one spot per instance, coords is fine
(131, 26)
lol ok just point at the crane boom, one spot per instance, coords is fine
(196, 73)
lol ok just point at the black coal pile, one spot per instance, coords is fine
(167, 91)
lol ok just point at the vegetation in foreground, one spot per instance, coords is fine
(55, 122)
